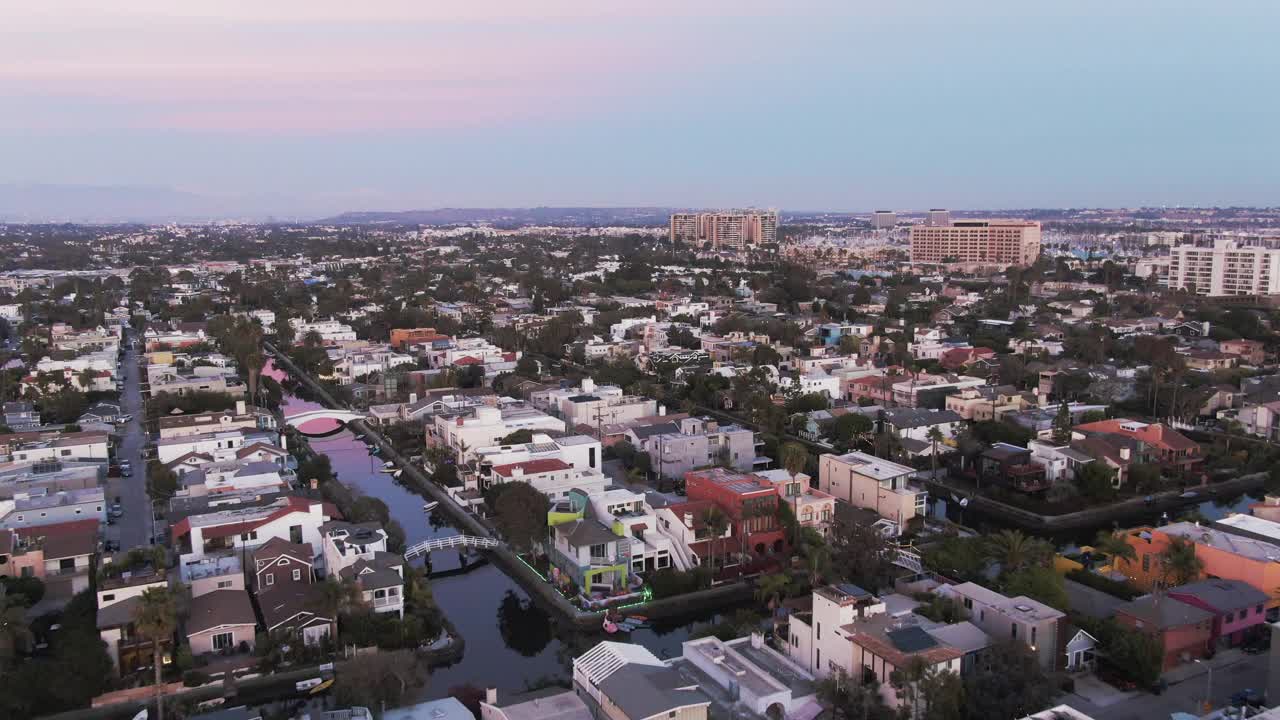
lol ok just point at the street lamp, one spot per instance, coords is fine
(1208, 689)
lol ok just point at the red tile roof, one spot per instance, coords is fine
(533, 467)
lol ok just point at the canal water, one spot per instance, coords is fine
(510, 642)
(1211, 508)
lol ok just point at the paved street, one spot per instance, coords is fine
(135, 527)
(1236, 672)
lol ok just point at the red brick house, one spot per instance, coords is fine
(751, 504)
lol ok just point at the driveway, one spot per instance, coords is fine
(134, 529)
(1235, 674)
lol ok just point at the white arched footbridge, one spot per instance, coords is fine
(340, 417)
(454, 541)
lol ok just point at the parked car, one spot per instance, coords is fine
(126, 469)
(1250, 697)
(117, 510)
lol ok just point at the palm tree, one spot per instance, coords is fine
(817, 560)
(1179, 563)
(155, 619)
(1015, 551)
(1115, 546)
(717, 523)
(14, 633)
(771, 588)
(935, 437)
(334, 597)
(253, 362)
(794, 457)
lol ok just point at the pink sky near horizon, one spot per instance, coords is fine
(288, 66)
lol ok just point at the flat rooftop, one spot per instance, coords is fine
(874, 467)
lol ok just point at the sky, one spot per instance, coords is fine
(314, 107)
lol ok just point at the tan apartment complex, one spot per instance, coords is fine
(994, 242)
(725, 230)
(869, 482)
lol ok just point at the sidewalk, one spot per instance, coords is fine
(1186, 671)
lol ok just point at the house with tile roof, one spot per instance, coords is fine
(1173, 450)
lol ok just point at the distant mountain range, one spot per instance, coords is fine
(514, 217)
(137, 203)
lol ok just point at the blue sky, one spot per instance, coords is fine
(318, 107)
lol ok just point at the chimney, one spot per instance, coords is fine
(662, 411)
(1124, 453)
(240, 410)
(413, 398)
(491, 695)
(588, 386)
(688, 520)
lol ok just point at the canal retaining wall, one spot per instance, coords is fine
(1096, 516)
(502, 556)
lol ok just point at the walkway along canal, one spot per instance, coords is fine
(511, 641)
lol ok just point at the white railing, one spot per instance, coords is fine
(909, 560)
(452, 541)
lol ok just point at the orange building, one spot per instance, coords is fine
(404, 337)
(1226, 556)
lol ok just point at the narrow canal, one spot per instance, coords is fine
(510, 642)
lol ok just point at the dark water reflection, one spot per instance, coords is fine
(511, 642)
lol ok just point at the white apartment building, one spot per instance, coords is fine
(330, 331)
(594, 405)
(486, 426)
(363, 362)
(1230, 267)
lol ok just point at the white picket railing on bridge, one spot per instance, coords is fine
(453, 541)
(909, 560)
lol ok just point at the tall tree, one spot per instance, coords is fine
(717, 523)
(1179, 563)
(1009, 684)
(15, 636)
(935, 437)
(156, 618)
(1016, 551)
(332, 598)
(1062, 425)
(522, 516)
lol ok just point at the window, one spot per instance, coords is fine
(1146, 563)
(108, 597)
(1229, 617)
(1033, 635)
(817, 658)
(297, 574)
(222, 641)
(224, 584)
(1013, 631)
(393, 592)
(295, 534)
(968, 603)
(271, 578)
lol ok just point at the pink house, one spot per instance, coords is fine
(1237, 607)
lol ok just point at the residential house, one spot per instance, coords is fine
(628, 514)
(280, 564)
(872, 483)
(587, 552)
(698, 442)
(812, 508)
(1173, 450)
(987, 403)
(67, 549)
(628, 682)
(1250, 352)
(1184, 631)
(686, 524)
(232, 531)
(485, 426)
(20, 416)
(1225, 555)
(851, 633)
(118, 598)
(912, 427)
(750, 503)
(221, 622)
(1239, 609)
(380, 579)
(550, 703)
(1060, 462)
(31, 511)
(1012, 466)
(1018, 619)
